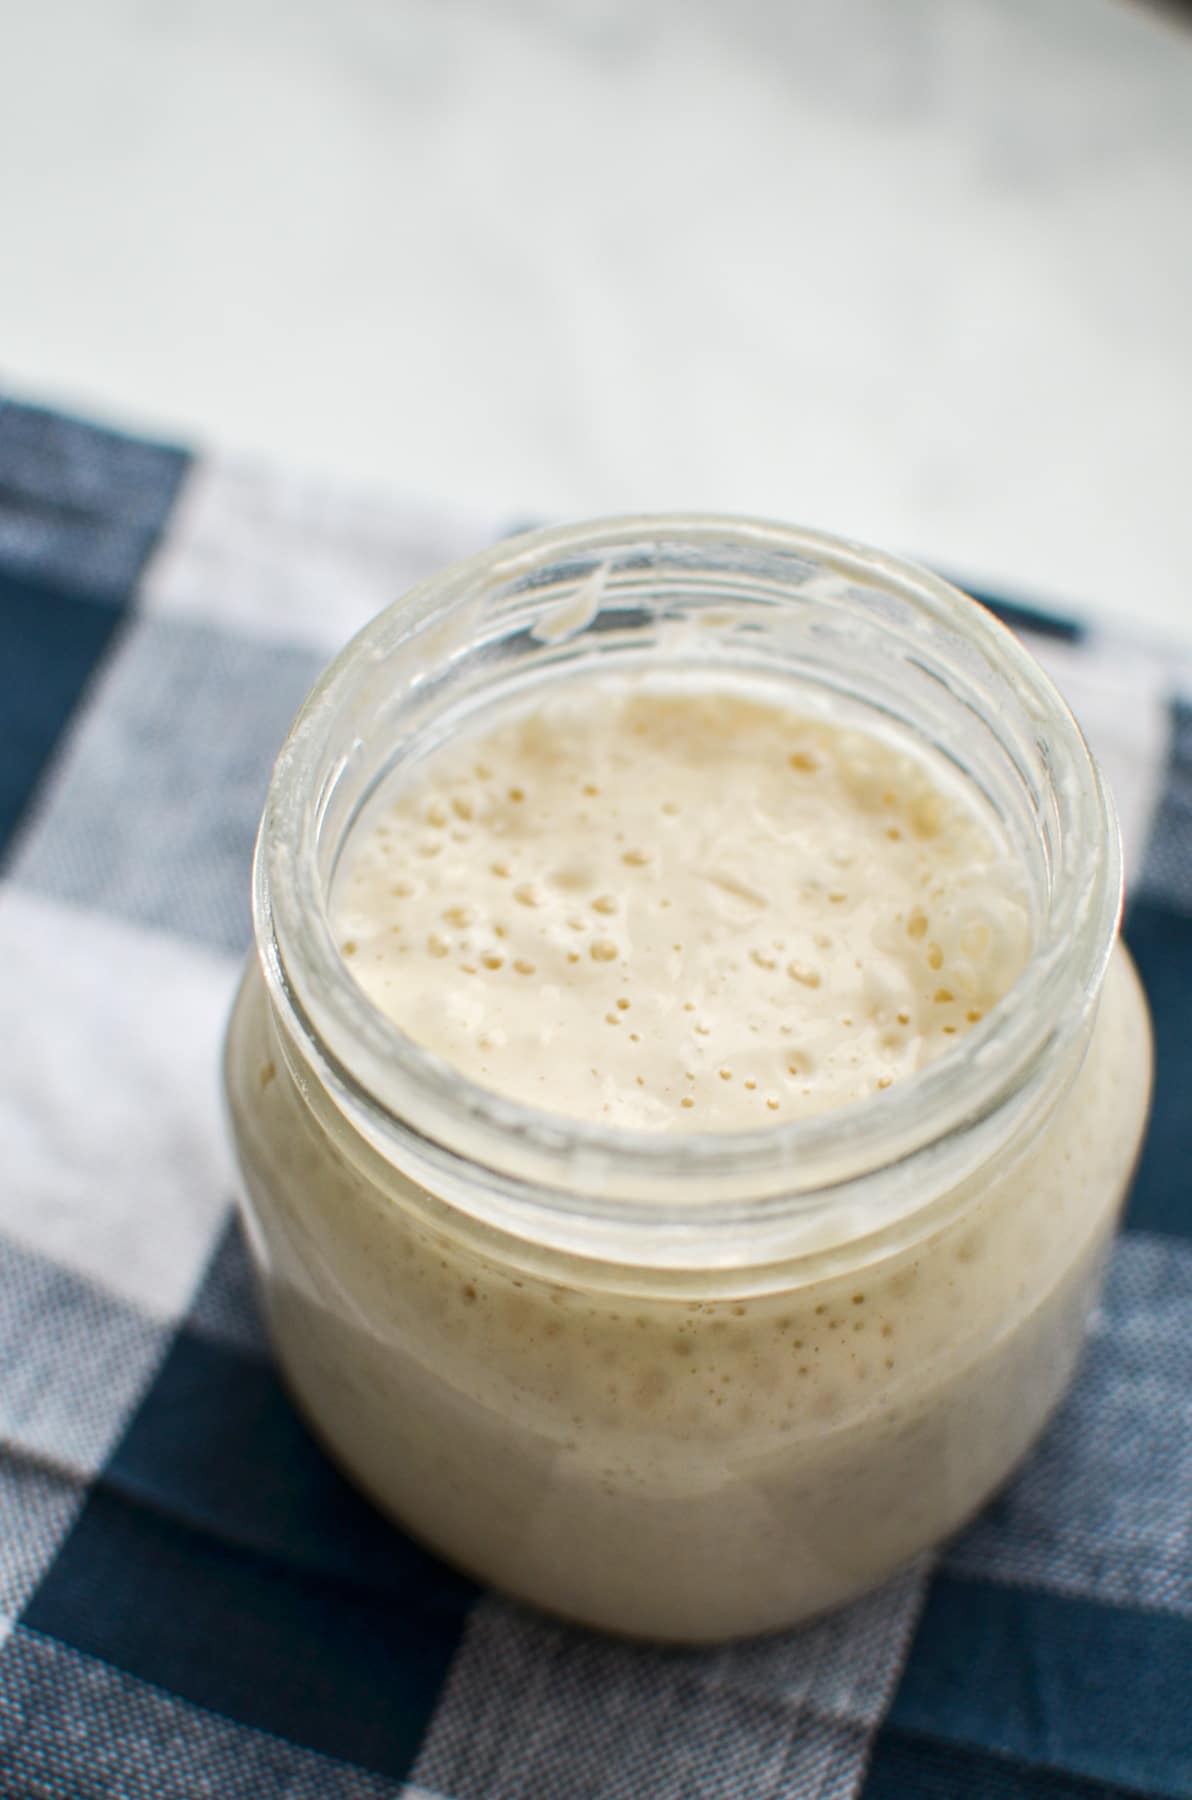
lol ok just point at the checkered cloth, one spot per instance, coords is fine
(193, 1602)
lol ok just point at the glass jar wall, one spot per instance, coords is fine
(685, 1387)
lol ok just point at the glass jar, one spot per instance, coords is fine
(694, 1386)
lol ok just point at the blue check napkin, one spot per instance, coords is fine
(193, 1602)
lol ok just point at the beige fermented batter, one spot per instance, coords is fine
(680, 911)
(702, 1453)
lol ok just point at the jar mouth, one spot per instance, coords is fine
(552, 584)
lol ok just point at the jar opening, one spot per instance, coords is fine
(772, 603)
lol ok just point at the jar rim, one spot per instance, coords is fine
(406, 1093)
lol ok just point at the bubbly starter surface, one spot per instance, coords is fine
(680, 910)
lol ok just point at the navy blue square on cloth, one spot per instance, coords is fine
(80, 510)
(1161, 941)
(81, 506)
(1052, 1682)
(51, 643)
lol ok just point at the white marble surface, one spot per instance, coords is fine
(917, 270)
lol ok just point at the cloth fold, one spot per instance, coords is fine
(193, 1601)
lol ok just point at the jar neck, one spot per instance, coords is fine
(706, 597)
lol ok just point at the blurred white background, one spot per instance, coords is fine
(916, 270)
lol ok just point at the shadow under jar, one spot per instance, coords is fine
(685, 1386)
